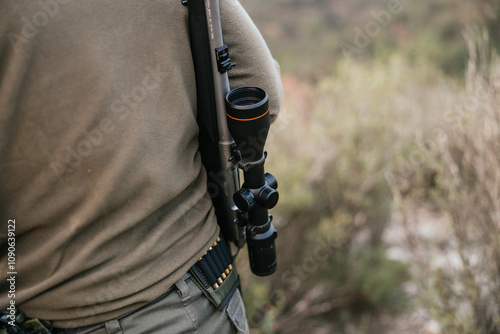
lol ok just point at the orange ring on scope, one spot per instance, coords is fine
(247, 119)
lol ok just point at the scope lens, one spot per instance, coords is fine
(247, 102)
(246, 95)
(262, 252)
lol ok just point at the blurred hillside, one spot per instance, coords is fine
(309, 36)
(386, 152)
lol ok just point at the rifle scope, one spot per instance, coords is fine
(247, 110)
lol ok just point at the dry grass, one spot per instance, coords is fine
(458, 266)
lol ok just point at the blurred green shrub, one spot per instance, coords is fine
(331, 149)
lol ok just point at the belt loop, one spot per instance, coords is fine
(113, 327)
(183, 290)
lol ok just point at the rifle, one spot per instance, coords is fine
(233, 129)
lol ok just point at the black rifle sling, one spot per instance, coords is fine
(206, 109)
(200, 49)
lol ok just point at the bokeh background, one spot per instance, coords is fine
(387, 154)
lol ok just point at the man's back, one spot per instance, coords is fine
(99, 161)
(99, 156)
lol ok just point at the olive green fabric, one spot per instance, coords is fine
(98, 150)
(189, 311)
(219, 296)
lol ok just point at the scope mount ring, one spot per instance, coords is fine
(247, 165)
(259, 229)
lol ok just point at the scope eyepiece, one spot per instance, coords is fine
(247, 110)
(244, 99)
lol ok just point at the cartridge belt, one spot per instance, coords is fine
(215, 274)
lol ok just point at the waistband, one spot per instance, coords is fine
(91, 328)
(213, 273)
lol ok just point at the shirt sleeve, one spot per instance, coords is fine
(255, 66)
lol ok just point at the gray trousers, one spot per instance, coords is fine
(183, 310)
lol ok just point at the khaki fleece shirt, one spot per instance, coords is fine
(99, 165)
